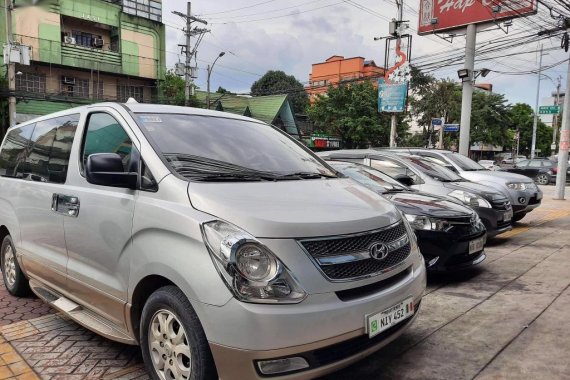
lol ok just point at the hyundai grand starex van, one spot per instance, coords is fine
(220, 245)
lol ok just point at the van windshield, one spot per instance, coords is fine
(206, 148)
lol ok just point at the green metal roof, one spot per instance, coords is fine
(264, 108)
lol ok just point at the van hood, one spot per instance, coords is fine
(418, 203)
(295, 209)
(494, 176)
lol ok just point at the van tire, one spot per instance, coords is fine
(170, 301)
(15, 282)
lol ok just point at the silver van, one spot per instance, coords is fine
(220, 245)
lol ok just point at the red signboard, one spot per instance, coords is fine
(446, 15)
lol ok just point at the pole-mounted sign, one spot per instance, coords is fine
(444, 15)
(549, 110)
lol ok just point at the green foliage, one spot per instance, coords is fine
(277, 82)
(222, 90)
(522, 118)
(351, 113)
(172, 90)
(432, 98)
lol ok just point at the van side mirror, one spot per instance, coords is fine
(106, 169)
(404, 179)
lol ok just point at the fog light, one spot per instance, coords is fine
(270, 367)
(522, 200)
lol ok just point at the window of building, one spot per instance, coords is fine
(87, 39)
(31, 82)
(104, 134)
(98, 90)
(74, 87)
(143, 8)
(125, 92)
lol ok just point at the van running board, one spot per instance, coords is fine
(81, 315)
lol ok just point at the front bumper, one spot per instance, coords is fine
(449, 251)
(494, 220)
(524, 201)
(240, 334)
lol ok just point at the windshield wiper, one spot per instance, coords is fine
(304, 175)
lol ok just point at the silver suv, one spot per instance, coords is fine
(220, 245)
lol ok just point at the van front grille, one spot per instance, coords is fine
(356, 248)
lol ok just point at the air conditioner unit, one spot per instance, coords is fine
(68, 80)
(69, 40)
(98, 42)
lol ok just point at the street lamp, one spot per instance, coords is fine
(210, 68)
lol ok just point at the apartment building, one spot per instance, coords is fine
(338, 69)
(84, 51)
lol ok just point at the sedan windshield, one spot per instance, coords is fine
(206, 148)
(371, 178)
(465, 163)
(433, 170)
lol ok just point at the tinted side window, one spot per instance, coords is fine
(104, 134)
(61, 149)
(394, 169)
(15, 151)
(50, 149)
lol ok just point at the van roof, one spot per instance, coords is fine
(142, 108)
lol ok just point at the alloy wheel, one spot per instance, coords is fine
(542, 179)
(169, 348)
(10, 266)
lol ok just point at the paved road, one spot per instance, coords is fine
(505, 320)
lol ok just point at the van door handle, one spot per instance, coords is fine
(67, 205)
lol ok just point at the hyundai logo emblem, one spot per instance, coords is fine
(378, 251)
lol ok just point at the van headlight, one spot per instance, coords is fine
(470, 199)
(250, 270)
(420, 222)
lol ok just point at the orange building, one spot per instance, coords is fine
(338, 69)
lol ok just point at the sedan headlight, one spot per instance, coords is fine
(420, 222)
(470, 199)
(251, 271)
(517, 186)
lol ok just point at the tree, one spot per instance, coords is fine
(277, 82)
(490, 119)
(173, 91)
(351, 113)
(222, 90)
(522, 118)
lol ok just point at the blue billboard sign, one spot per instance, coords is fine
(392, 97)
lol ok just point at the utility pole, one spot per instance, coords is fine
(556, 117)
(394, 120)
(189, 72)
(467, 93)
(11, 66)
(563, 147)
(441, 130)
(535, 122)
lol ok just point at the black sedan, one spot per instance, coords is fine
(450, 235)
(542, 170)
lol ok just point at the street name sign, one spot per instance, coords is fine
(549, 110)
(451, 127)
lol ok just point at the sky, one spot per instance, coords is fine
(261, 35)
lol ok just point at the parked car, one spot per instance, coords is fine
(219, 244)
(450, 236)
(493, 207)
(522, 192)
(507, 158)
(489, 164)
(539, 169)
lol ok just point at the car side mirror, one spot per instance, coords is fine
(106, 169)
(404, 179)
(451, 167)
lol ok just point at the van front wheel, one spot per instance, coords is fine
(173, 342)
(14, 279)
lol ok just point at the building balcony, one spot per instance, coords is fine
(86, 58)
